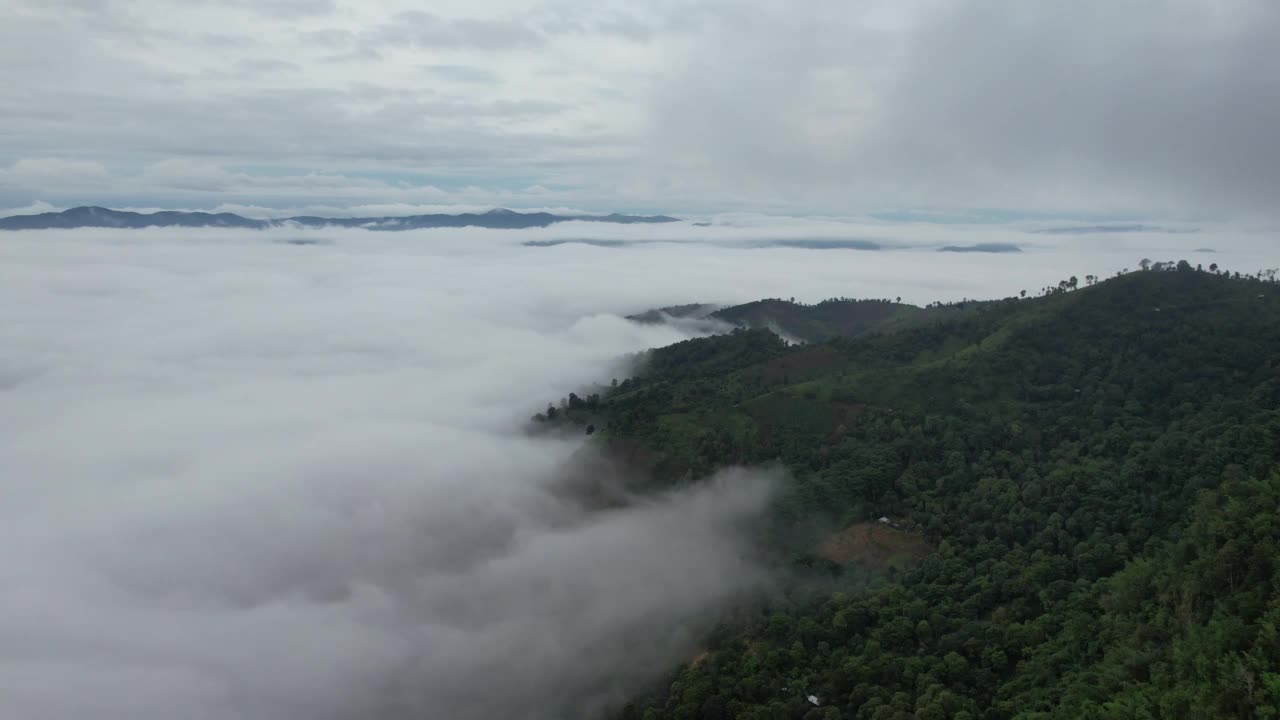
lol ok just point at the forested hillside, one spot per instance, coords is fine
(832, 318)
(1058, 507)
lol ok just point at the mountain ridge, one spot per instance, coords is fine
(92, 216)
(811, 323)
(1087, 482)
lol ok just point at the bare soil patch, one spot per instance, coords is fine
(874, 544)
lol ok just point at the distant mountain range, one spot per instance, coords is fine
(100, 217)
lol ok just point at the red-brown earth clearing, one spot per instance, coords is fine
(875, 545)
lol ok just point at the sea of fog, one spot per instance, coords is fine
(281, 474)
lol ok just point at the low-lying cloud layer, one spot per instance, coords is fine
(242, 477)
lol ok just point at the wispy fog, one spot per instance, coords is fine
(278, 475)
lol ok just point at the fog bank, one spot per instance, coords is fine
(242, 477)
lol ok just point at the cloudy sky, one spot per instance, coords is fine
(687, 106)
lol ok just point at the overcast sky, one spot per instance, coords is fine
(687, 106)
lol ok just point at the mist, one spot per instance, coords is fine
(244, 476)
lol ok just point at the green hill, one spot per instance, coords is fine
(804, 323)
(823, 321)
(1083, 489)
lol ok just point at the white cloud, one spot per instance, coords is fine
(464, 74)
(35, 208)
(416, 28)
(55, 172)
(268, 492)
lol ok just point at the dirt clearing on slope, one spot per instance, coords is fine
(874, 544)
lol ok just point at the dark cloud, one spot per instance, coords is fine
(1178, 100)
(999, 103)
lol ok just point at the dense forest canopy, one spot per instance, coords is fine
(1064, 506)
